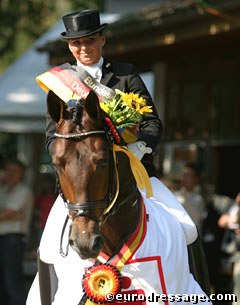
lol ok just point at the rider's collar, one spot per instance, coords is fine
(94, 70)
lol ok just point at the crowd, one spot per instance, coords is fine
(218, 220)
(16, 203)
(20, 209)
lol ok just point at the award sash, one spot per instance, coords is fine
(72, 82)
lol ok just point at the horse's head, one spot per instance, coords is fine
(88, 173)
(84, 162)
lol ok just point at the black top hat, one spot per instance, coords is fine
(80, 24)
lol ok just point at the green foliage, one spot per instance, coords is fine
(125, 109)
(22, 22)
(83, 4)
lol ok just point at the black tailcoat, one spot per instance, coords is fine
(123, 76)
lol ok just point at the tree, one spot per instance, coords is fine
(22, 22)
(83, 4)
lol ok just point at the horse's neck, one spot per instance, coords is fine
(118, 227)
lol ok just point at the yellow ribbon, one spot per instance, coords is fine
(117, 185)
(89, 302)
(139, 172)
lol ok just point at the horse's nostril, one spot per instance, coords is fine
(70, 242)
(97, 243)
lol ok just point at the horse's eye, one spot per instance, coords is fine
(58, 162)
(56, 166)
(102, 163)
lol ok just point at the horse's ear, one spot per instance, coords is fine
(56, 106)
(92, 107)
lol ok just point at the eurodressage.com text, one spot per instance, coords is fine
(153, 298)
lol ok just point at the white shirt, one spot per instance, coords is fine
(18, 199)
(94, 70)
(233, 219)
(193, 203)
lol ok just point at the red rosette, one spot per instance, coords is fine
(101, 280)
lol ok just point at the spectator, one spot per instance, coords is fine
(2, 175)
(231, 222)
(190, 195)
(15, 213)
(44, 200)
(212, 239)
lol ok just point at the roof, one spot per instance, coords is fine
(169, 13)
(162, 31)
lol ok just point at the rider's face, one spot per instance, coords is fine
(189, 179)
(87, 50)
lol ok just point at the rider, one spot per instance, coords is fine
(85, 37)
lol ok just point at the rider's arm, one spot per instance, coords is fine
(50, 125)
(150, 127)
(10, 214)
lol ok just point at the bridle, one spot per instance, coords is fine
(83, 209)
(108, 205)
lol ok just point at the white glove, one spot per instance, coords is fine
(139, 149)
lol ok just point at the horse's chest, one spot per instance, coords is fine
(150, 272)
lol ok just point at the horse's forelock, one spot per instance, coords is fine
(77, 113)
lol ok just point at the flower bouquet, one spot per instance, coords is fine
(125, 110)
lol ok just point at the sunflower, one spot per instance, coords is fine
(133, 100)
(126, 109)
(105, 107)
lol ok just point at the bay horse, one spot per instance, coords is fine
(112, 223)
(92, 179)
